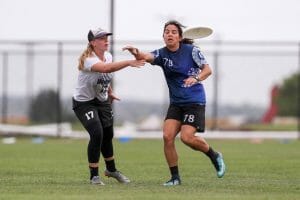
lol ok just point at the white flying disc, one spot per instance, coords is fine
(197, 32)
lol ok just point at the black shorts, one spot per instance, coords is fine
(193, 115)
(94, 110)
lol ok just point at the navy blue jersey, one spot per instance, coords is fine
(185, 62)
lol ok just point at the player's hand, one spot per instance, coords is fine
(134, 51)
(137, 63)
(113, 97)
(189, 81)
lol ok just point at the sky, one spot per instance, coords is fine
(230, 19)
(246, 20)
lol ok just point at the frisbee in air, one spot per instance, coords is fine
(197, 32)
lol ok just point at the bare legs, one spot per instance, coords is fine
(170, 130)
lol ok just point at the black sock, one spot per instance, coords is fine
(93, 172)
(213, 157)
(174, 172)
(110, 165)
(211, 154)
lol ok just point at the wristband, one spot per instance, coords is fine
(197, 78)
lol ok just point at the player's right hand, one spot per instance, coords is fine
(137, 63)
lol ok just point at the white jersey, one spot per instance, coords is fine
(91, 84)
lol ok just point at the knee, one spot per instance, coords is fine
(168, 137)
(108, 133)
(186, 139)
(95, 131)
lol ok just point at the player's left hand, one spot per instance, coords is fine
(113, 97)
(134, 51)
(189, 81)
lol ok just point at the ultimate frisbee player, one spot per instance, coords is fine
(92, 102)
(185, 68)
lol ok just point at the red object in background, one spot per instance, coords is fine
(271, 113)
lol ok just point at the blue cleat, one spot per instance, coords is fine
(173, 182)
(221, 166)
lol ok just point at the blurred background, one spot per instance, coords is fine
(254, 52)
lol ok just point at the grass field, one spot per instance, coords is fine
(57, 169)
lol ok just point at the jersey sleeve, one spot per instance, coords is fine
(89, 62)
(198, 57)
(157, 57)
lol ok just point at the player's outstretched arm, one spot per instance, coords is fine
(115, 66)
(148, 57)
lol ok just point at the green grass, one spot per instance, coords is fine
(270, 127)
(249, 127)
(57, 169)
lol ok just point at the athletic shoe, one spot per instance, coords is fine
(173, 182)
(221, 165)
(96, 181)
(117, 175)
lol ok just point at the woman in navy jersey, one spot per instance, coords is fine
(184, 68)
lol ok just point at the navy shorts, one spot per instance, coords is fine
(193, 115)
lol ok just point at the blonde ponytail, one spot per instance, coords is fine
(86, 53)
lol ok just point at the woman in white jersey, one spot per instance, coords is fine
(92, 102)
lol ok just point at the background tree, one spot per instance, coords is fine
(288, 97)
(44, 108)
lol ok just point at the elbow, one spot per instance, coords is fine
(207, 70)
(210, 72)
(102, 68)
(106, 70)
